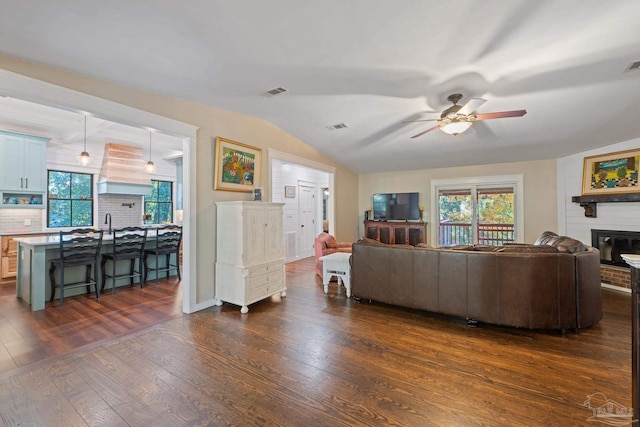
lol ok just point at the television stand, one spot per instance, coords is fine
(395, 233)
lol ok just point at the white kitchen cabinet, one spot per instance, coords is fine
(249, 252)
(23, 163)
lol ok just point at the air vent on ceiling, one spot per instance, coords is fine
(274, 92)
(337, 126)
(634, 66)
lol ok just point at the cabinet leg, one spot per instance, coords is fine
(218, 302)
(283, 294)
(244, 309)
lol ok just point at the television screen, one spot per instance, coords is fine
(396, 207)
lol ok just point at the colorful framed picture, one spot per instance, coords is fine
(238, 166)
(290, 191)
(612, 173)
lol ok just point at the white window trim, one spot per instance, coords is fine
(454, 183)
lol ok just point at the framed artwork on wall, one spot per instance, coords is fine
(613, 173)
(290, 191)
(238, 166)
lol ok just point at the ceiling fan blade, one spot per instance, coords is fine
(501, 115)
(423, 120)
(425, 131)
(472, 105)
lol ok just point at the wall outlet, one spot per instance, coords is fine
(27, 221)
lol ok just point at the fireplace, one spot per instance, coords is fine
(612, 243)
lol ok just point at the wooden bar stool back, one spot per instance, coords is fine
(168, 240)
(78, 248)
(128, 245)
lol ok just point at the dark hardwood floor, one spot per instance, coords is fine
(309, 359)
(27, 337)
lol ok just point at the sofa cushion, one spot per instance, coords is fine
(531, 249)
(569, 245)
(562, 243)
(424, 246)
(330, 241)
(458, 247)
(545, 238)
(485, 248)
(368, 241)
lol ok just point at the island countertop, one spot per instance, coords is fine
(52, 241)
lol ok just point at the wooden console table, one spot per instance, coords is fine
(395, 233)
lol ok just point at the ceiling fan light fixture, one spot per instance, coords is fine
(454, 127)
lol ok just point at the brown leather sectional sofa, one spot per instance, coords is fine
(519, 286)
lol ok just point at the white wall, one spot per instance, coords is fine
(610, 216)
(284, 173)
(540, 208)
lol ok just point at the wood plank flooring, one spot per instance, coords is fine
(309, 359)
(27, 337)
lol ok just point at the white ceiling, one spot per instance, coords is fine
(371, 64)
(64, 127)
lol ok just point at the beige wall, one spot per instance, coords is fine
(211, 122)
(540, 202)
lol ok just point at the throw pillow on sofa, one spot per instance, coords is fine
(562, 243)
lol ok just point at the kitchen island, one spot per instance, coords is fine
(34, 257)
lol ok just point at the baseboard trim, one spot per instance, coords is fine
(204, 304)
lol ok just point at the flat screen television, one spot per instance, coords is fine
(396, 207)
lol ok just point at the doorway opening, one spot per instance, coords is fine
(308, 213)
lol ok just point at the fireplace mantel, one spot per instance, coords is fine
(590, 203)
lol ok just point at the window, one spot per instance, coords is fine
(69, 199)
(158, 207)
(486, 210)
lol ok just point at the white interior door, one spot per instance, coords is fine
(306, 216)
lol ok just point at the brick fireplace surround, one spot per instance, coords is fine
(611, 243)
(615, 276)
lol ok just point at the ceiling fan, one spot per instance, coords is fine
(458, 118)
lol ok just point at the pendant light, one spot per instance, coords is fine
(84, 159)
(150, 167)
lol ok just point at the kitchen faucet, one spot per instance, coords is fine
(107, 220)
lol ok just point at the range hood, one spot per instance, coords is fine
(123, 171)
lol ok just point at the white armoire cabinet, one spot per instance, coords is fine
(249, 252)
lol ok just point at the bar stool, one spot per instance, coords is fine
(128, 245)
(78, 248)
(168, 240)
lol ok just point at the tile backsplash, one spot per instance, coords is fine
(14, 220)
(126, 211)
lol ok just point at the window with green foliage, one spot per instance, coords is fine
(158, 207)
(69, 199)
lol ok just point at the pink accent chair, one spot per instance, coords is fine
(326, 244)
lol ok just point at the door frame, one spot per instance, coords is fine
(292, 158)
(29, 89)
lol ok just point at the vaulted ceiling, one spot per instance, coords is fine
(368, 64)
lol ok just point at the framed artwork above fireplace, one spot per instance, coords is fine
(613, 173)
